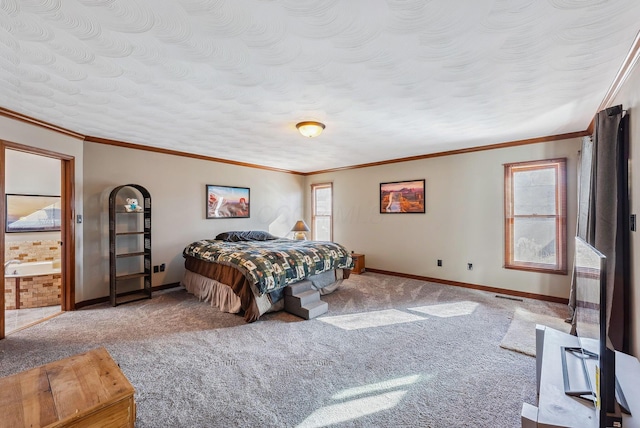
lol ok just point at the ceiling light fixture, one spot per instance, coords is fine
(310, 128)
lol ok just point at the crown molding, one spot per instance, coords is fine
(37, 122)
(32, 121)
(184, 154)
(98, 140)
(549, 138)
(621, 77)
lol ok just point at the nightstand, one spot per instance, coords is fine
(358, 263)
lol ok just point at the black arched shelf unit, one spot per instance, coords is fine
(130, 276)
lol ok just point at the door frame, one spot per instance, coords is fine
(67, 229)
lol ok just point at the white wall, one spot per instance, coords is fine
(30, 174)
(629, 97)
(464, 220)
(177, 188)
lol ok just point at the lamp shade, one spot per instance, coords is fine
(300, 226)
(299, 230)
(310, 128)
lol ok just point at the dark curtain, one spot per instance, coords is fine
(603, 213)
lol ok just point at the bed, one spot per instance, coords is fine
(246, 271)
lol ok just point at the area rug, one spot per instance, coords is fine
(521, 335)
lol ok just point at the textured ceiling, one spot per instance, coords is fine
(390, 79)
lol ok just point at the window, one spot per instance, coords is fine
(536, 216)
(322, 212)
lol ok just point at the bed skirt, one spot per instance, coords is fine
(231, 292)
(222, 296)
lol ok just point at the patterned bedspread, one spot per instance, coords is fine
(273, 264)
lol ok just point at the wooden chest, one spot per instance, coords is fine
(85, 390)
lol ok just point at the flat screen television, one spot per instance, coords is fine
(594, 379)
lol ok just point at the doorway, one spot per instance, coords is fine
(37, 230)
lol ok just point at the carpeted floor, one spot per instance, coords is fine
(390, 352)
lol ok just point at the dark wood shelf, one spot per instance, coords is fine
(132, 296)
(133, 233)
(130, 276)
(139, 248)
(123, 255)
(134, 212)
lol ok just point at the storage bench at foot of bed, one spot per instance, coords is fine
(85, 390)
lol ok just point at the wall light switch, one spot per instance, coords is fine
(79, 218)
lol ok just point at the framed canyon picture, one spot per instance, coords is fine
(402, 197)
(227, 201)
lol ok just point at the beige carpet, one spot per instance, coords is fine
(391, 352)
(521, 335)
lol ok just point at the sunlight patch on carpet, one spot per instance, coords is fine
(376, 397)
(521, 335)
(370, 319)
(377, 387)
(447, 310)
(343, 412)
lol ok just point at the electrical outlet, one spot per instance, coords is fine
(439, 262)
(469, 266)
(156, 269)
(162, 267)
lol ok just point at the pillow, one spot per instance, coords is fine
(247, 235)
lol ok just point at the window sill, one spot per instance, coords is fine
(537, 269)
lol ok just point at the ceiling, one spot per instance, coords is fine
(390, 79)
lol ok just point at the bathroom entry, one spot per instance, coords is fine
(36, 197)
